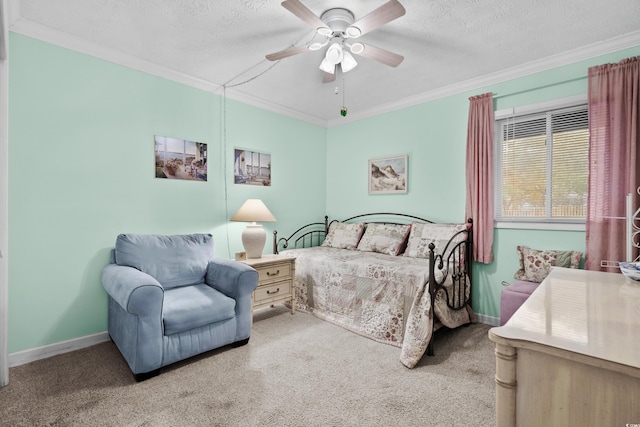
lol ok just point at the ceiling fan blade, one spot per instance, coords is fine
(302, 12)
(378, 17)
(381, 55)
(287, 53)
(328, 77)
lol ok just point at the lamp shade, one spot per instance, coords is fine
(334, 54)
(327, 67)
(254, 236)
(348, 62)
(253, 210)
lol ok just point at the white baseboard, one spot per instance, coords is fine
(33, 354)
(493, 321)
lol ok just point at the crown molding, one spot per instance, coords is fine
(565, 58)
(271, 106)
(59, 38)
(46, 34)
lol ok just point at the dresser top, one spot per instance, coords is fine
(589, 312)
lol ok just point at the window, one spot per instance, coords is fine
(542, 166)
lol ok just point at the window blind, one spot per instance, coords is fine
(542, 166)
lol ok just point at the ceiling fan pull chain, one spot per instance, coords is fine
(343, 110)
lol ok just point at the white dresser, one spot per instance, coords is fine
(571, 354)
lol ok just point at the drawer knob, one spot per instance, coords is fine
(269, 292)
(273, 274)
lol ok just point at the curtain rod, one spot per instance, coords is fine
(520, 92)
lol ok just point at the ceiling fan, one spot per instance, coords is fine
(337, 28)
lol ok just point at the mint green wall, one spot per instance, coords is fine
(81, 171)
(298, 157)
(434, 161)
(433, 134)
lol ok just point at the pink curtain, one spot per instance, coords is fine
(480, 175)
(614, 116)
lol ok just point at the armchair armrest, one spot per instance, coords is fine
(233, 278)
(135, 291)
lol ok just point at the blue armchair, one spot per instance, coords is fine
(170, 299)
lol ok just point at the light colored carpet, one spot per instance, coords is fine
(296, 371)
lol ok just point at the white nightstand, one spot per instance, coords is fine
(276, 283)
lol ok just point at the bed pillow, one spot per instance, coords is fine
(537, 263)
(567, 259)
(422, 235)
(384, 238)
(343, 236)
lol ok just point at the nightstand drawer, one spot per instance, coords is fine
(267, 293)
(275, 272)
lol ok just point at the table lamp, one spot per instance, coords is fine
(254, 236)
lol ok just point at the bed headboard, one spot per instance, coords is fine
(308, 235)
(313, 234)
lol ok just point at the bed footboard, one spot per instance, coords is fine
(458, 267)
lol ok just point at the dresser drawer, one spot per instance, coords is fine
(275, 272)
(269, 292)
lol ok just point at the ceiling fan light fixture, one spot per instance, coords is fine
(353, 32)
(348, 63)
(356, 48)
(318, 45)
(334, 54)
(327, 66)
(325, 31)
(336, 26)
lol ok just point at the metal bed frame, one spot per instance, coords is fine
(313, 234)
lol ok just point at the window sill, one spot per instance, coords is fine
(541, 226)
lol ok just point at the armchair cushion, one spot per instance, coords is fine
(173, 261)
(190, 307)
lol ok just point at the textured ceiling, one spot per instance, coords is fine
(444, 42)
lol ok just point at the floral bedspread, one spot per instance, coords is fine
(379, 296)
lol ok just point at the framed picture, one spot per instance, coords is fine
(388, 175)
(251, 168)
(180, 159)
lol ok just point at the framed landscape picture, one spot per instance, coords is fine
(388, 175)
(180, 159)
(251, 168)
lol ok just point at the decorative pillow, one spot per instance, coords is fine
(519, 275)
(567, 259)
(343, 236)
(384, 238)
(439, 234)
(538, 264)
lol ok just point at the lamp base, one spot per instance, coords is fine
(253, 240)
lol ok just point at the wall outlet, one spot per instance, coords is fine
(240, 256)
